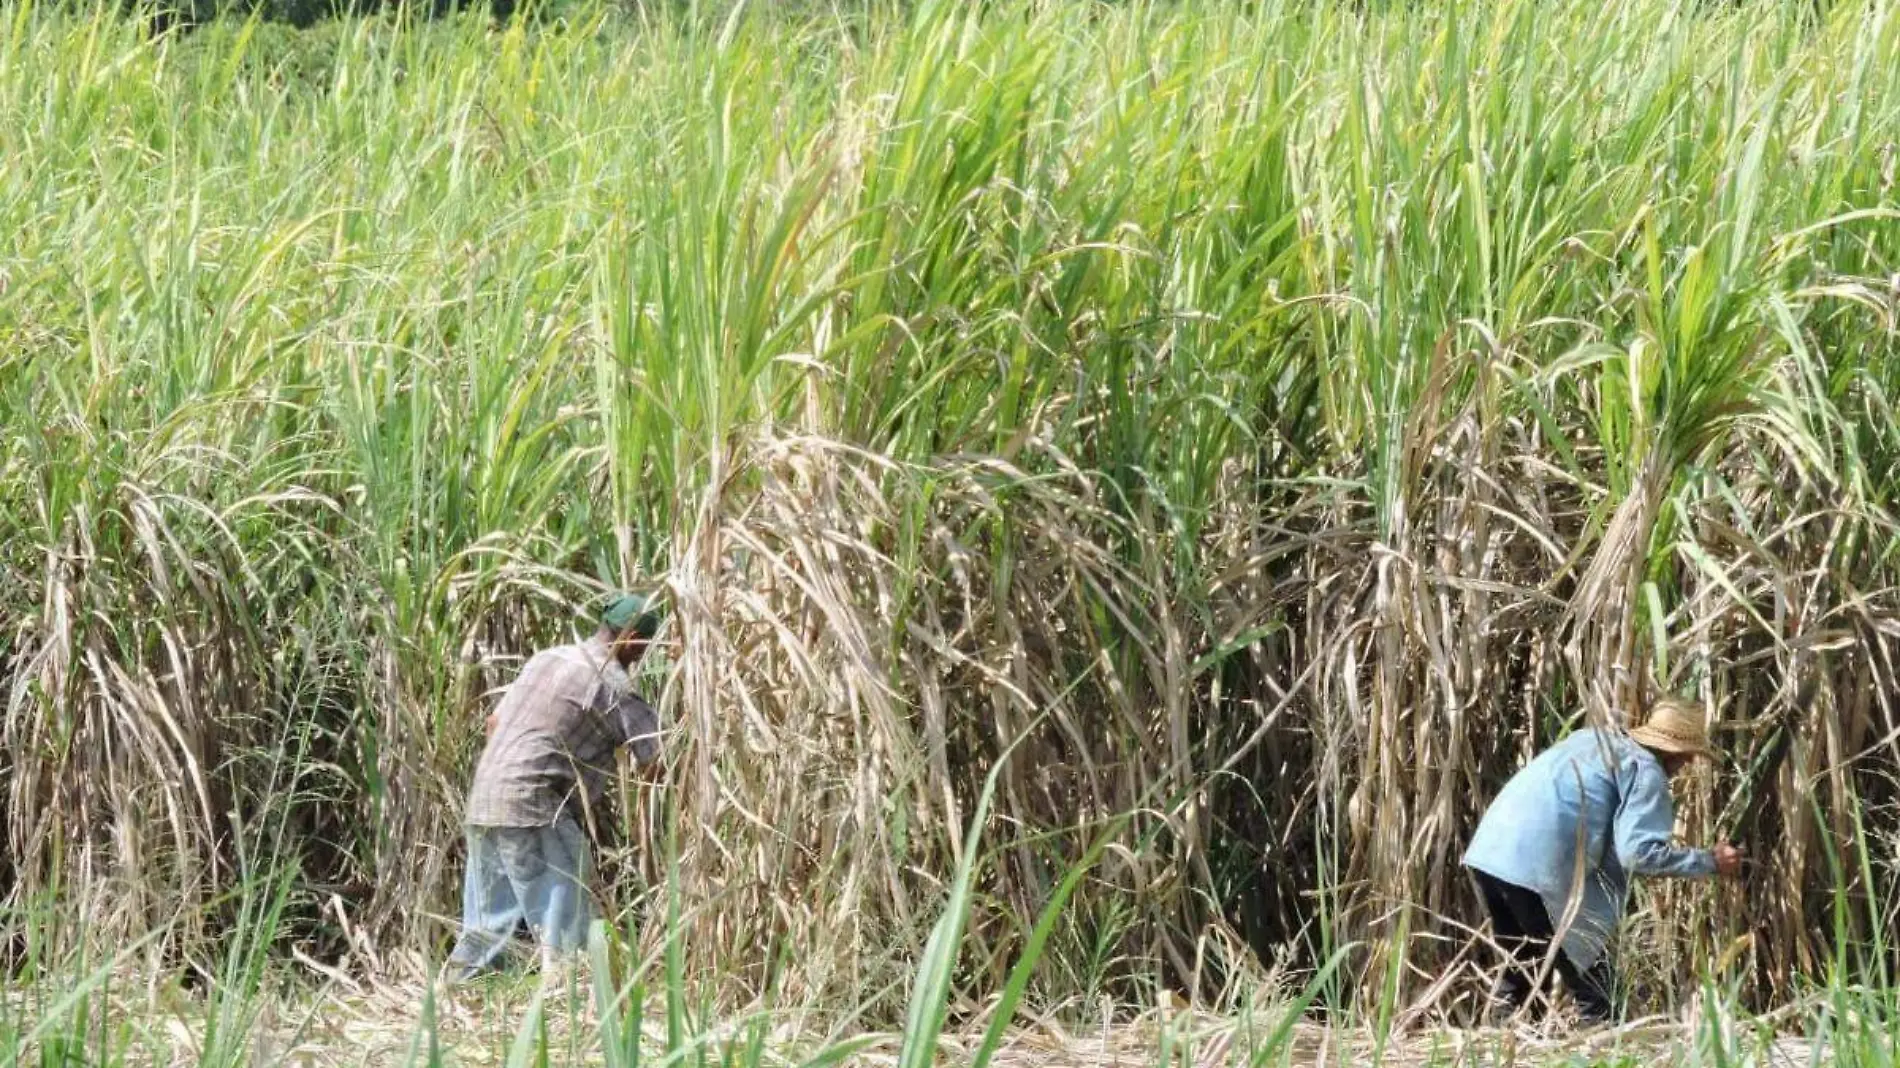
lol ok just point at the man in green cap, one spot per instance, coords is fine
(550, 753)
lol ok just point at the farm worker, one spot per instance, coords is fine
(1553, 855)
(550, 751)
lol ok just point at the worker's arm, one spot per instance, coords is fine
(639, 728)
(1646, 827)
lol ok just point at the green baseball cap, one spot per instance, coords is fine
(624, 610)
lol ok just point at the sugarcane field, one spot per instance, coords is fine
(993, 533)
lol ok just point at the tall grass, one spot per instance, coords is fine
(1265, 423)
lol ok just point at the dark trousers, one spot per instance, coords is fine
(1522, 929)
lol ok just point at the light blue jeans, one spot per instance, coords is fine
(534, 874)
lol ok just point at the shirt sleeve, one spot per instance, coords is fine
(639, 727)
(1646, 827)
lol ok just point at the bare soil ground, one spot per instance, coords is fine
(387, 1024)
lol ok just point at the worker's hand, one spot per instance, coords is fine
(488, 726)
(1728, 860)
(653, 770)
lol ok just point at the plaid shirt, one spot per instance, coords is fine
(556, 731)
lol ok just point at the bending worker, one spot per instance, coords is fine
(551, 749)
(1553, 856)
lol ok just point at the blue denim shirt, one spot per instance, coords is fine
(1575, 824)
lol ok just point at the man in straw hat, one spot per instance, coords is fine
(1553, 856)
(550, 753)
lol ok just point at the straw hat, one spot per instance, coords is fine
(1675, 726)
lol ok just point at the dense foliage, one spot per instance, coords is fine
(1273, 420)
